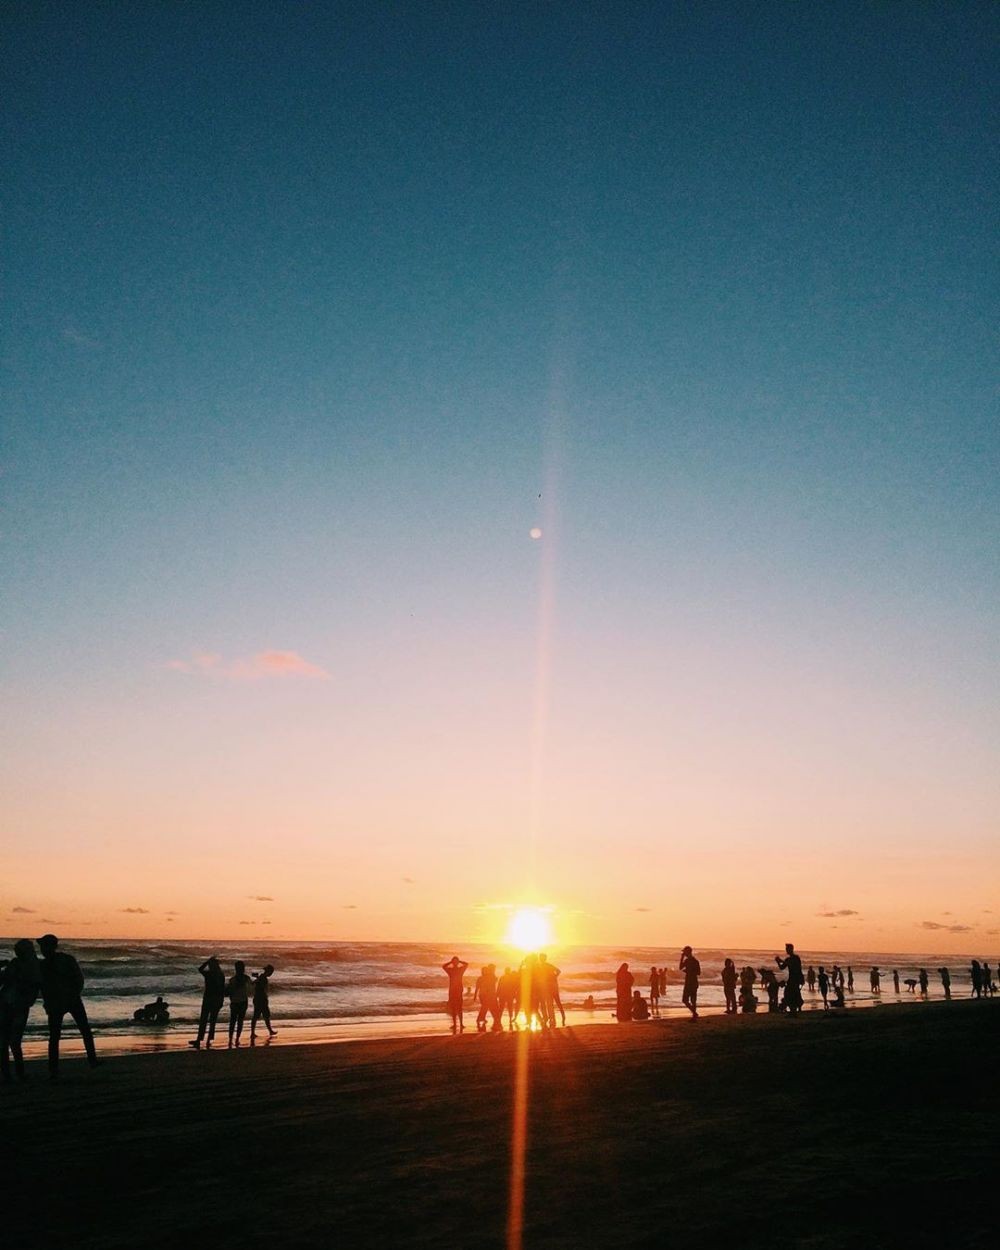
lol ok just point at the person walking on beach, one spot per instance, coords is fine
(550, 977)
(850, 980)
(454, 969)
(922, 977)
(895, 980)
(212, 998)
(691, 968)
(945, 976)
(624, 980)
(824, 987)
(977, 979)
(238, 990)
(262, 1002)
(729, 987)
(654, 988)
(792, 966)
(62, 987)
(875, 977)
(20, 983)
(811, 979)
(988, 986)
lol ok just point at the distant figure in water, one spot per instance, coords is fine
(153, 1013)
(588, 1003)
(977, 979)
(654, 988)
(639, 1009)
(455, 970)
(691, 968)
(213, 996)
(945, 976)
(624, 980)
(238, 989)
(811, 979)
(62, 987)
(20, 983)
(922, 977)
(550, 988)
(895, 979)
(875, 977)
(262, 1002)
(824, 986)
(792, 966)
(850, 980)
(507, 996)
(729, 986)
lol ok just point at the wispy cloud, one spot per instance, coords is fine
(350, 906)
(23, 911)
(261, 898)
(257, 667)
(72, 335)
(643, 909)
(409, 881)
(949, 928)
(248, 922)
(834, 915)
(135, 911)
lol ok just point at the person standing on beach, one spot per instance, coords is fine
(507, 996)
(977, 979)
(811, 979)
(262, 1002)
(691, 968)
(729, 987)
(663, 982)
(895, 979)
(988, 986)
(922, 978)
(792, 966)
(654, 988)
(20, 983)
(62, 987)
(875, 977)
(238, 992)
(824, 986)
(550, 989)
(850, 980)
(455, 970)
(624, 980)
(212, 998)
(836, 976)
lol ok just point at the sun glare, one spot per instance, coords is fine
(529, 929)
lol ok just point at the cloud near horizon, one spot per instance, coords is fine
(22, 911)
(254, 668)
(833, 915)
(260, 898)
(135, 911)
(948, 928)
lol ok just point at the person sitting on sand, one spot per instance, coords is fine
(238, 989)
(639, 1009)
(691, 968)
(62, 987)
(262, 1002)
(875, 978)
(212, 998)
(748, 1000)
(729, 986)
(455, 970)
(624, 980)
(20, 984)
(824, 986)
(792, 965)
(838, 996)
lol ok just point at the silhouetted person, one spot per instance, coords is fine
(212, 998)
(792, 966)
(850, 980)
(748, 1000)
(154, 1013)
(771, 987)
(910, 983)
(811, 979)
(729, 986)
(945, 981)
(838, 995)
(262, 1002)
(507, 995)
(977, 979)
(836, 976)
(988, 986)
(455, 970)
(691, 968)
(895, 979)
(654, 988)
(62, 986)
(20, 984)
(663, 982)
(875, 977)
(824, 986)
(922, 978)
(624, 980)
(639, 1009)
(550, 982)
(588, 1003)
(238, 990)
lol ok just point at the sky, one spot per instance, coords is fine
(312, 314)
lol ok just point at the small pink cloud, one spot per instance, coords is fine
(251, 668)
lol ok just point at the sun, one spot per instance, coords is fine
(529, 929)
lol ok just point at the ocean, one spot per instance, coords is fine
(337, 991)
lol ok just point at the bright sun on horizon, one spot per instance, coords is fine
(529, 929)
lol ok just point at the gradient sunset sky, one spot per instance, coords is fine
(312, 313)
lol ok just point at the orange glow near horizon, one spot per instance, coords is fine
(530, 929)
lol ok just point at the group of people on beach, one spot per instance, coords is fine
(530, 992)
(241, 990)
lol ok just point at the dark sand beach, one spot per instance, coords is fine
(877, 1128)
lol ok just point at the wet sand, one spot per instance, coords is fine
(875, 1129)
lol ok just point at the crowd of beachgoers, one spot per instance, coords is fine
(525, 997)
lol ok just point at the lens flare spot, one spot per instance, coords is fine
(529, 929)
